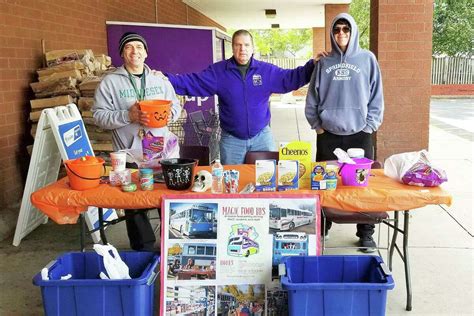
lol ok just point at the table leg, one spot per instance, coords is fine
(403, 253)
(83, 231)
(394, 240)
(406, 220)
(321, 234)
(101, 226)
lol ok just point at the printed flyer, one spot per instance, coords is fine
(220, 256)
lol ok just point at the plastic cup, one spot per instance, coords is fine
(119, 160)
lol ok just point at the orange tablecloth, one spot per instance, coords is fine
(64, 205)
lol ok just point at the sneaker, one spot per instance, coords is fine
(326, 237)
(368, 244)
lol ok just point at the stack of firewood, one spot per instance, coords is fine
(71, 76)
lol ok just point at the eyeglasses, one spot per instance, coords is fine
(345, 29)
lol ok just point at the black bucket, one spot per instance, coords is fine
(178, 172)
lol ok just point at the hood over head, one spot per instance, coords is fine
(353, 45)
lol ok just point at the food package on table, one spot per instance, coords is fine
(414, 168)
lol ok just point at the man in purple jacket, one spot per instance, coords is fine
(243, 85)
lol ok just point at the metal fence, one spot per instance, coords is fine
(286, 63)
(452, 70)
(444, 70)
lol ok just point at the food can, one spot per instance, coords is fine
(146, 179)
(129, 187)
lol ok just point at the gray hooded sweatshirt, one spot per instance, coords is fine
(115, 95)
(345, 92)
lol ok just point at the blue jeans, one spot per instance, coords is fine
(233, 149)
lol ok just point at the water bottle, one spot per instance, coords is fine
(217, 176)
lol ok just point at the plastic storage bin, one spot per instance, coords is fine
(336, 285)
(86, 294)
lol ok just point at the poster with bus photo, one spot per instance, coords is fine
(220, 254)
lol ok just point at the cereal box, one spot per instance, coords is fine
(265, 175)
(318, 171)
(288, 175)
(323, 176)
(300, 151)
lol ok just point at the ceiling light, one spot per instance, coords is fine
(270, 13)
(275, 26)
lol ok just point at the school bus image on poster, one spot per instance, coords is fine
(289, 244)
(282, 218)
(242, 246)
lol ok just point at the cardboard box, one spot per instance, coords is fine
(288, 177)
(265, 175)
(300, 151)
(323, 176)
(117, 178)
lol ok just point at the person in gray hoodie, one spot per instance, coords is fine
(345, 101)
(116, 108)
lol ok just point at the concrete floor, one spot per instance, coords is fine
(441, 239)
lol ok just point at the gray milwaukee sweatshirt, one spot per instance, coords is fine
(345, 92)
(115, 95)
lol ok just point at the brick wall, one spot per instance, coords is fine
(330, 12)
(403, 49)
(176, 12)
(319, 40)
(453, 89)
(63, 25)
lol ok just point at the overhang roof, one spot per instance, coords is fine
(250, 14)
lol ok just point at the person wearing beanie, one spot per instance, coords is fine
(345, 102)
(130, 37)
(116, 108)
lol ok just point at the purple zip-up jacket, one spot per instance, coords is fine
(243, 104)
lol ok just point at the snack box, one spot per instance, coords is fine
(265, 175)
(117, 178)
(300, 151)
(323, 176)
(288, 175)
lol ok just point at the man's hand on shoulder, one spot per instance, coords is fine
(320, 55)
(319, 131)
(137, 116)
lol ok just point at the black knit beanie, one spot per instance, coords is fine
(130, 37)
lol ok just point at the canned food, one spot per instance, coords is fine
(146, 179)
(129, 187)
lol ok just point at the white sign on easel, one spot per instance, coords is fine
(60, 134)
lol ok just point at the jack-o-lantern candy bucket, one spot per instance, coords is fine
(158, 111)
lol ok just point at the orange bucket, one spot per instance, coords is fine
(84, 173)
(158, 111)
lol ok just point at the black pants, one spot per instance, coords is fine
(139, 230)
(326, 143)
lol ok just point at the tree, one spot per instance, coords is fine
(276, 42)
(360, 11)
(452, 27)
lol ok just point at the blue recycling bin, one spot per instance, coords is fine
(336, 285)
(86, 294)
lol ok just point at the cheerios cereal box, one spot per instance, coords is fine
(288, 175)
(265, 175)
(300, 151)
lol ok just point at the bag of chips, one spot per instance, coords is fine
(414, 168)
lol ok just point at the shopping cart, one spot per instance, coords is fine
(199, 128)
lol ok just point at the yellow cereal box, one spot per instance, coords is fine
(300, 151)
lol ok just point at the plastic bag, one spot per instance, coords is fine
(114, 266)
(414, 168)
